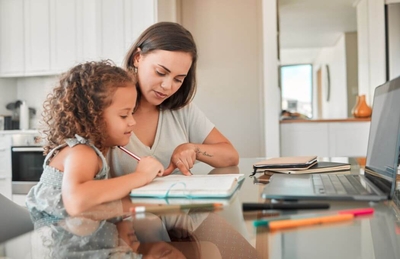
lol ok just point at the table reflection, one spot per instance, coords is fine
(108, 231)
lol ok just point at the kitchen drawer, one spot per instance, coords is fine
(5, 141)
(5, 187)
(5, 156)
(5, 164)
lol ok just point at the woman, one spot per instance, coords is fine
(170, 127)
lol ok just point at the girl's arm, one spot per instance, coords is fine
(81, 192)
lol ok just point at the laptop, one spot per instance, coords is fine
(379, 179)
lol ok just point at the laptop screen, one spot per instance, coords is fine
(383, 143)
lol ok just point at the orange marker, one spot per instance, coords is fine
(294, 223)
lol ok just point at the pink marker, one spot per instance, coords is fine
(358, 212)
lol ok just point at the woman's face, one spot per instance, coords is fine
(161, 74)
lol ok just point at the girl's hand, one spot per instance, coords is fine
(149, 167)
(183, 158)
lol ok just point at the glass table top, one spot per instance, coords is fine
(112, 231)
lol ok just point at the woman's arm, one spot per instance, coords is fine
(216, 151)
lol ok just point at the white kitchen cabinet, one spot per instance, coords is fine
(6, 187)
(11, 37)
(349, 139)
(65, 19)
(325, 139)
(119, 23)
(304, 139)
(5, 166)
(42, 37)
(111, 30)
(36, 36)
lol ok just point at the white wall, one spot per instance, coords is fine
(169, 10)
(371, 46)
(31, 89)
(227, 33)
(271, 94)
(351, 53)
(335, 58)
(34, 91)
(394, 40)
(8, 93)
(298, 56)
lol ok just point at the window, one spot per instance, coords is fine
(296, 88)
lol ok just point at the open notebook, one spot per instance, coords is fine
(195, 186)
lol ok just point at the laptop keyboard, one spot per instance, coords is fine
(337, 184)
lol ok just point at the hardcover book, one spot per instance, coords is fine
(320, 167)
(285, 163)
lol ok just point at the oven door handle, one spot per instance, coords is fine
(27, 149)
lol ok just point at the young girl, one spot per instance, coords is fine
(88, 113)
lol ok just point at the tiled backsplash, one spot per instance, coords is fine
(31, 89)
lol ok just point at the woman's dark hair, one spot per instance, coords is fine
(76, 105)
(168, 36)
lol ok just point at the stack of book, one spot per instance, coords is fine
(297, 165)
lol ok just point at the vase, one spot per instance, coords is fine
(361, 109)
(355, 105)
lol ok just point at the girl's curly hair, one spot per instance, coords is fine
(77, 103)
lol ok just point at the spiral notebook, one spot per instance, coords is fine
(195, 186)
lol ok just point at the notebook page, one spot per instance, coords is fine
(189, 186)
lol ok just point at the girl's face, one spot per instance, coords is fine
(161, 74)
(119, 116)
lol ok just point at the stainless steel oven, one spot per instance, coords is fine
(26, 161)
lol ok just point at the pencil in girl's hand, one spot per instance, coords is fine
(129, 153)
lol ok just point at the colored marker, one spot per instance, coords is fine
(354, 212)
(294, 223)
(284, 206)
(358, 212)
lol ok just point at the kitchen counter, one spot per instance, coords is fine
(325, 137)
(325, 120)
(30, 131)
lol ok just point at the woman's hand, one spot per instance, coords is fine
(183, 158)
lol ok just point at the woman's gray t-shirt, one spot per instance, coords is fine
(186, 125)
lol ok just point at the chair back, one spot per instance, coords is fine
(15, 220)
